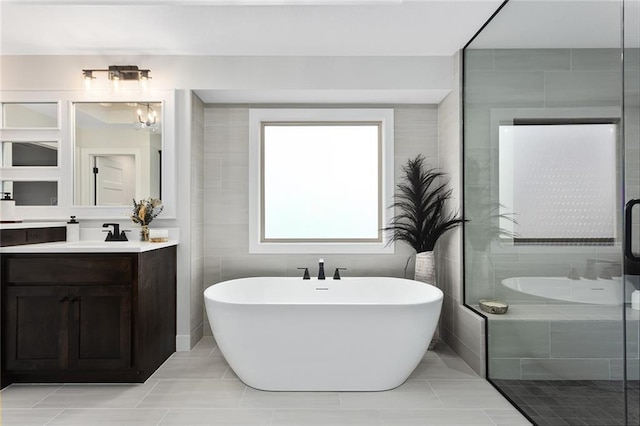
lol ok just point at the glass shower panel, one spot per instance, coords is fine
(544, 161)
(631, 110)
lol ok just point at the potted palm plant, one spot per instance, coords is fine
(421, 216)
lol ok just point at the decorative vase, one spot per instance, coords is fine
(425, 271)
(425, 268)
(144, 233)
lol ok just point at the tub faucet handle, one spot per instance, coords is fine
(306, 275)
(336, 274)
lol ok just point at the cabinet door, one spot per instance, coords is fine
(100, 327)
(35, 334)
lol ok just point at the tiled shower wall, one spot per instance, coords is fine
(226, 199)
(542, 341)
(572, 342)
(503, 84)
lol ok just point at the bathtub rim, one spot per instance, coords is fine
(583, 280)
(438, 293)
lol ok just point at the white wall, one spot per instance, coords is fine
(247, 77)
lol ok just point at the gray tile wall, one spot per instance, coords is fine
(581, 349)
(507, 83)
(226, 199)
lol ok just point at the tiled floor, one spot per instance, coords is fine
(575, 402)
(198, 388)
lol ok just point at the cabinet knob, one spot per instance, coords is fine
(73, 299)
(63, 299)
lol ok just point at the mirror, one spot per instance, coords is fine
(39, 115)
(118, 152)
(32, 193)
(29, 154)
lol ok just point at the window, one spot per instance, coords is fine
(559, 179)
(321, 180)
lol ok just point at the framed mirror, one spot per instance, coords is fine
(30, 115)
(50, 142)
(29, 153)
(32, 192)
(117, 152)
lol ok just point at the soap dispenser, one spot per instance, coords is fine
(73, 230)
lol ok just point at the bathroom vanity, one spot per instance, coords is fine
(87, 311)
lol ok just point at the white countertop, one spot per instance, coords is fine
(88, 247)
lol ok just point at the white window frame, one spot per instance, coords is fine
(257, 117)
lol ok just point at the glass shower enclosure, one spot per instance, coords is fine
(551, 99)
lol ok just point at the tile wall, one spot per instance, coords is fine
(542, 83)
(530, 83)
(226, 203)
(571, 342)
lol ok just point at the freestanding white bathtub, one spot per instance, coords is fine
(353, 334)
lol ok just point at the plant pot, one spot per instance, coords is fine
(425, 268)
(425, 271)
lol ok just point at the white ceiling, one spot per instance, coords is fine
(240, 27)
(344, 28)
(530, 24)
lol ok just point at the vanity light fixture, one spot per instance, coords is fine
(117, 74)
(150, 121)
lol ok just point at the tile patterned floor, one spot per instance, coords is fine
(198, 388)
(574, 402)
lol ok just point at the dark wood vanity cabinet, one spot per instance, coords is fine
(87, 317)
(21, 236)
(77, 327)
